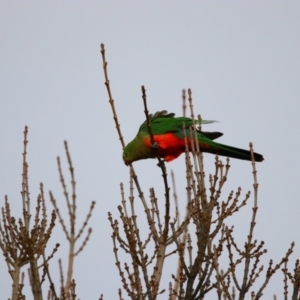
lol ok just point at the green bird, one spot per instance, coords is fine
(168, 134)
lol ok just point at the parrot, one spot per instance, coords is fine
(169, 137)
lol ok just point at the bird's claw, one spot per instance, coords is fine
(155, 145)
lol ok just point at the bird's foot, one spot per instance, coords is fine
(155, 145)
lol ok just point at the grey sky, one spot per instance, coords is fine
(241, 60)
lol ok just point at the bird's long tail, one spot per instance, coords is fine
(228, 151)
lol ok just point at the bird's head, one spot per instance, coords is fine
(128, 154)
(136, 150)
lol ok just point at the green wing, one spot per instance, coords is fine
(162, 122)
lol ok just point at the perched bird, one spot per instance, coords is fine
(168, 134)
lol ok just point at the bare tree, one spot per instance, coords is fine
(25, 244)
(199, 239)
(71, 236)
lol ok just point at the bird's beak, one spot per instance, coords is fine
(127, 162)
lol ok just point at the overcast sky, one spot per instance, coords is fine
(241, 60)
